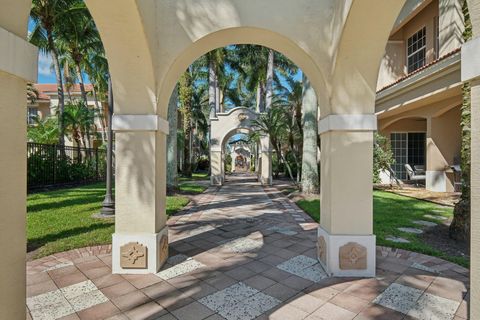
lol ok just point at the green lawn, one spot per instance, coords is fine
(391, 211)
(61, 220)
(196, 176)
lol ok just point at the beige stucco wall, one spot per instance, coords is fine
(405, 125)
(17, 66)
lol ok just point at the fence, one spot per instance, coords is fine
(51, 165)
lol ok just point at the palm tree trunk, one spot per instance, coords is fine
(269, 89)
(101, 116)
(172, 180)
(61, 97)
(217, 94)
(310, 175)
(212, 94)
(81, 83)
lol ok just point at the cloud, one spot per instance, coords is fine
(45, 64)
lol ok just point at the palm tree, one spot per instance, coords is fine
(172, 181)
(185, 97)
(273, 123)
(78, 36)
(47, 15)
(310, 175)
(44, 131)
(32, 93)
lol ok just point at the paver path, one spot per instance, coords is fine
(244, 252)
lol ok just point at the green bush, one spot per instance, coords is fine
(382, 156)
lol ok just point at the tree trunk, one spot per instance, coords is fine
(81, 83)
(310, 176)
(172, 179)
(101, 115)
(61, 97)
(460, 226)
(186, 99)
(217, 94)
(269, 88)
(212, 95)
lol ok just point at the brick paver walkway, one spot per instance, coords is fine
(244, 252)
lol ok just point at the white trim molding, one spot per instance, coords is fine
(471, 59)
(347, 122)
(139, 122)
(19, 57)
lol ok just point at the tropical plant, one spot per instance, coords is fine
(47, 16)
(44, 131)
(79, 122)
(272, 123)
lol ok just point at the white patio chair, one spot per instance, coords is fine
(413, 176)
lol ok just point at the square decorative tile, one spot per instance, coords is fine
(431, 307)
(50, 305)
(78, 289)
(304, 267)
(232, 294)
(399, 297)
(68, 300)
(87, 300)
(181, 265)
(242, 245)
(239, 302)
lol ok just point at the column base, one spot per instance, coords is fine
(346, 255)
(216, 180)
(436, 181)
(139, 253)
(265, 181)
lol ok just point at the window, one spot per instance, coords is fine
(407, 148)
(32, 115)
(416, 50)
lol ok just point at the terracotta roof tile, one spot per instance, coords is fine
(451, 53)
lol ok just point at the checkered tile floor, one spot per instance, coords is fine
(244, 252)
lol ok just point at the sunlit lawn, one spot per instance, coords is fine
(196, 176)
(391, 211)
(61, 220)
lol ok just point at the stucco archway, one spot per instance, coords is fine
(148, 43)
(223, 127)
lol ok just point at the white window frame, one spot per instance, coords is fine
(424, 47)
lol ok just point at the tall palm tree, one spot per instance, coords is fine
(185, 97)
(78, 36)
(273, 123)
(172, 181)
(47, 15)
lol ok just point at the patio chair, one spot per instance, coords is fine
(413, 176)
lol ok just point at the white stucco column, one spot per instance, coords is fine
(471, 73)
(266, 161)
(346, 244)
(18, 65)
(140, 241)
(216, 164)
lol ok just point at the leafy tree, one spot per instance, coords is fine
(382, 157)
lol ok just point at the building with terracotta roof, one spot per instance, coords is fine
(419, 93)
(47, 102)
